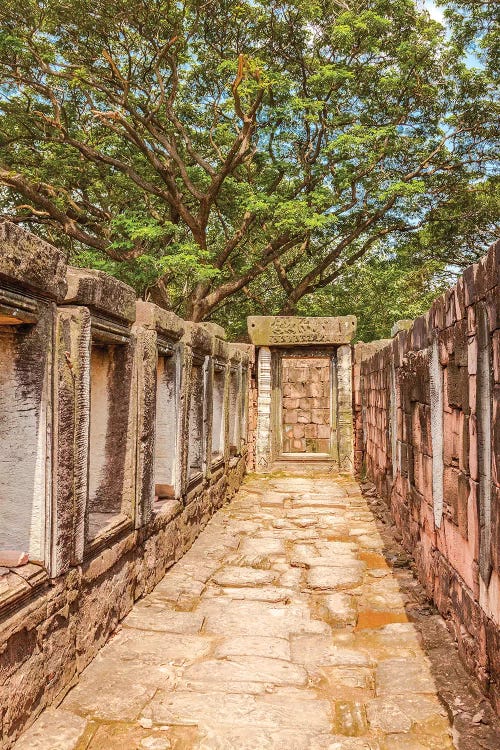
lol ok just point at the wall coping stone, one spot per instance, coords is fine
(29, 262)
(100, 292)
(364, 350)
(235, 356)
(271, 330)
(156, 318)
(401, 325)
(220, 349)
(197, 338)
(247, 350)
(215, 330)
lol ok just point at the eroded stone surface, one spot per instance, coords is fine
(56, 729)
(259, 639)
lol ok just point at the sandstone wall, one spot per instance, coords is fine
(107, 472)
(306, 407)
(427, 422)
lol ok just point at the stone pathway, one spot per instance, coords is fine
(284, 627)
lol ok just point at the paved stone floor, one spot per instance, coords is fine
(286, 626)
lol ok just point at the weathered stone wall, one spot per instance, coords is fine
(107, 472)
(427, 420)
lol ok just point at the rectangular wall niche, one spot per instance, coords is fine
(196, 431)
(109, 416)
(218, 431)
(306, 405)
(244, 403)
(25, 374)
(166, 427)
(234, 411)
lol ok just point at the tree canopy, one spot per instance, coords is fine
(203, 151)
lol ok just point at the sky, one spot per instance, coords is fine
(437, 14)
(434, 11)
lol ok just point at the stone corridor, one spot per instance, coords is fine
(294, 623)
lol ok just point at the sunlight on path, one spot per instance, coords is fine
(284, 627)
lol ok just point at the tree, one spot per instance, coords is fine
(475, 27)
(197, 149)
(381, 289)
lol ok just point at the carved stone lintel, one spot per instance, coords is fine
(286, 330)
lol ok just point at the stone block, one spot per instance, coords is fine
(473, 448)
(469, 277)
(320, 416)
(30, 263)
(311, 430)
(214, 330)
(56, 729)
(488, 272)
(323, 446)
(496, 435)
(72, 338)
(199, 340)
(401, 325)
(314, 389)
(495, 347)
(462, 504)
(102, 293)
(26, 425)
(163, 321)
(452, 436)
(457, 386)
(285, 331)
(297, 391)
(324, 431)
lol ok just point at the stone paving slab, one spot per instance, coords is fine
(285, 627)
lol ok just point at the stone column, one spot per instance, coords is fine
(437, 431)
(71, 432)
(263, 439)
(344, 411)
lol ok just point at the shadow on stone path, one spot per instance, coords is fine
(285, 627)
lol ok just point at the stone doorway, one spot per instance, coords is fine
(306, 414)
(304, 392)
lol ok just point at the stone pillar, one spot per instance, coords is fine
(344, 413)
(437, 431)
(263, 440)
(484, 417)
(393, 422)
(71, 430)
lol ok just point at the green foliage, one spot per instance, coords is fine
(241, 156)
(380, 290)
(475, 27)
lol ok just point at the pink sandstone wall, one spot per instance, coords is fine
(427, 422)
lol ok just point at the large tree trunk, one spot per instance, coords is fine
(196, 307)
(288, 308)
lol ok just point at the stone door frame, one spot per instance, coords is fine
(273, 334)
